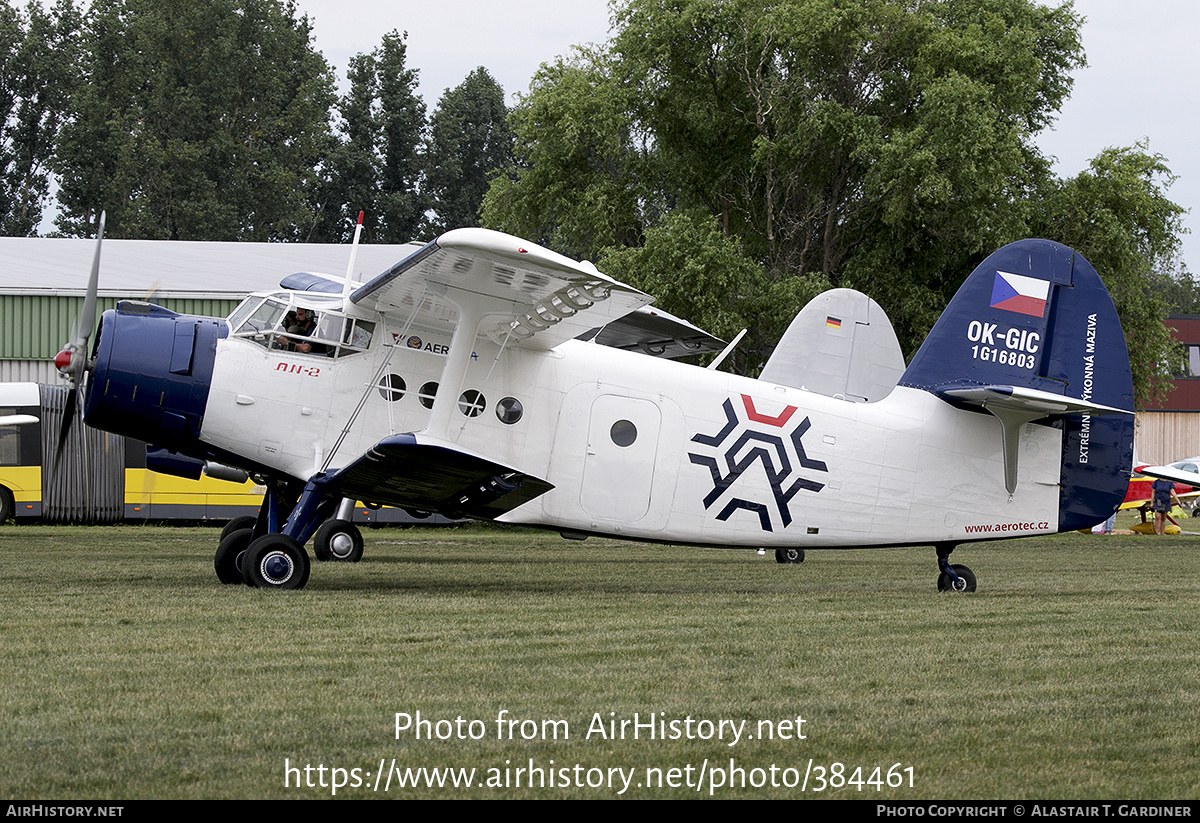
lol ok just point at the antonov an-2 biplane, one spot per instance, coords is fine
(467, 380)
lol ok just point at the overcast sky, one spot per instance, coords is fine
(1141, 81)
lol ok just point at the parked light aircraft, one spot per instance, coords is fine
(1185, 474)
(457, 382)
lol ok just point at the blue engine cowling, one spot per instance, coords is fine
(152, 373)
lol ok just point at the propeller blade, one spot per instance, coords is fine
(87, 317)
(72, 361)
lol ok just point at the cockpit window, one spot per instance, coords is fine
(261, 322)
(276, 324)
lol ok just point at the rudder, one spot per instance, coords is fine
(1036, 315)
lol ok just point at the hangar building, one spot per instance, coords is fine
(43, 280)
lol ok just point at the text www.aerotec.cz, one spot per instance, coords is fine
(1007, 527)
(705, 777)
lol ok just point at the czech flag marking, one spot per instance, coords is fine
(1021, 294)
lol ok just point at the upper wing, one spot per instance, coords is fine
(1171, 473)
(535, 297)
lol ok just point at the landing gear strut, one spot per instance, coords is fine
(267, 552)
(953, 578)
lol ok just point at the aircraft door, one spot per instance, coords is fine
(622, 445)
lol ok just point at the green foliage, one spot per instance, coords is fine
(580, 183)
(705, 277)
(195, 120)
(38, 52)
(876, 144)
(1117, 215)
(469, 142)
(375, 166)
(402, 124)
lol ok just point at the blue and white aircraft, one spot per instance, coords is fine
(469, 379)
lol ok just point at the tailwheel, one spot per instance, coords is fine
(230, 552)
(275, 561)
(789, 555)
(338, 540)
(962, 581)
(953, 578)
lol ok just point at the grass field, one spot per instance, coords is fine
(128, 671)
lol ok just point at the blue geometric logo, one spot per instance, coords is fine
(740, 447)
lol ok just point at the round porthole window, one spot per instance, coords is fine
(392, 387)
(427, 393)
(623, 433)
(509, 410)
(471, 403)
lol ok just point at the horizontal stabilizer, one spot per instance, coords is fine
(1043, 403)
(410, 472)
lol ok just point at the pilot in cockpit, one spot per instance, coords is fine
(299, 323)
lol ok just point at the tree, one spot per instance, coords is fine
(1117, 215)
(37, 55)
(704, 276)
(881, 145)
(469, 141)
(580, 178)
(349, 181)
(200, 120)
(402, 120)
(375, 166)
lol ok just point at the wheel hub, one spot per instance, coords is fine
(341, 545)
(276, 568)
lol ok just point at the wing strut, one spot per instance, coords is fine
(471, 311)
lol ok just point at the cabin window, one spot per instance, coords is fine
(509, 410)
(623, 433)
(392, 387)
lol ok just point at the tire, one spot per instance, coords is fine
(338, 540)
(966, 580)
(275, 561)
(244, 521)
(789, 555)
(232, 549)
(7, 505)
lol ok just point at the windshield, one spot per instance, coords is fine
(277, 323)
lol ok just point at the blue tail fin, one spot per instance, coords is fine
(1035, 315)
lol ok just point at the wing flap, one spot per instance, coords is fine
(410, 472)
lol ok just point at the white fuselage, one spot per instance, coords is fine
(652, 449)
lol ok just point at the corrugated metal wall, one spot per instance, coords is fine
(88, 484)
(35, 327)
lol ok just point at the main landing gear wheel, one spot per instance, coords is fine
(964, 583)
(244, 521)
(275, 561)
(338, 540)
(230, 553)
(789, 555)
